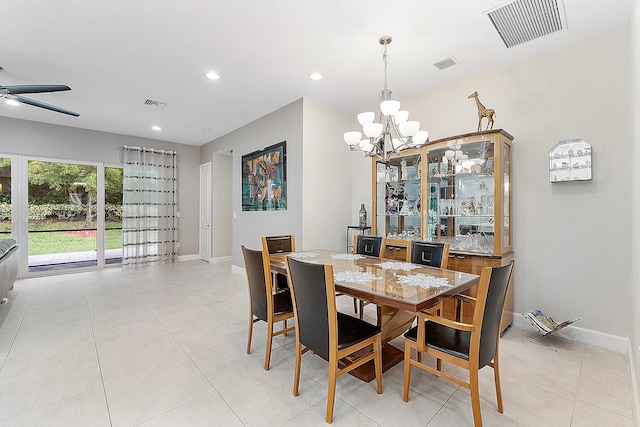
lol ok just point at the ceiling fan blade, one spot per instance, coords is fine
(16, 89)
(35, 103)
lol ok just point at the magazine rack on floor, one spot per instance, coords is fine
(546, 326)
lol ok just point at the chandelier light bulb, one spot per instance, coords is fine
(366, 145)
(409, 128)
(420, 137)
(449, 154)
(366, 118)
(372, 130)
(352, 138)
(401, 116)
(390, 107)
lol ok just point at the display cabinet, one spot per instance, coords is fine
(456, 190)
(570, 160)
(398, 196)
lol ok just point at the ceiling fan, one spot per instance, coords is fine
(14, 93)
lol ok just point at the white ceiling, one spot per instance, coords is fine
(116, 54)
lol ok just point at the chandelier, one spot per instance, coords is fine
(392, 132)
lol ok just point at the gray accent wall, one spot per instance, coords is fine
(67, 143)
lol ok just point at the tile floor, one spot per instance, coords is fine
(165, 346)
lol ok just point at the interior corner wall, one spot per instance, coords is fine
(221, 201)
(67, 143)
(326, 189)
(634, 299)
(571, 240)
(284, 124)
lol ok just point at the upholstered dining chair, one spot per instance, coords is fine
(371, 246)
(469, 346)
(263, 303)
(433, 254)
(325, 331)
(275, 245)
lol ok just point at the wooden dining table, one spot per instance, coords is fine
(390, 288)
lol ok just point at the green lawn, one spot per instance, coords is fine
(63, 241)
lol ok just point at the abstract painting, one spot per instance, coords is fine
(264, 179)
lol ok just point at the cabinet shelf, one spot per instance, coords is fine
(570, 160)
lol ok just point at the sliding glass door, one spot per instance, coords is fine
(5, 198)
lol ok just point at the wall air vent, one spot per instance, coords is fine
(521, 21)
(446, 63)
(156, 104)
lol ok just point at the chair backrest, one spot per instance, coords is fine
(313, 297)
(433, 254)
(276, 244)
(367, 245)
(259, 282)
(488, 311)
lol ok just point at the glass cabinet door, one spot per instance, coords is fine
(398, 197)
(462, 195)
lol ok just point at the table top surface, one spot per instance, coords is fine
(387, 286)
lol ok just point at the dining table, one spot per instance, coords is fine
(399, 289)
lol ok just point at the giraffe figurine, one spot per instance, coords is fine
(483, 112)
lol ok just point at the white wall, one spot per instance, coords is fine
(284, 124)
(635, 160)
(67, 143)
(572, 245)
(221, 202)
(326, 195)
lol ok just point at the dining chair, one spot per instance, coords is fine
(371, 246)
(325, 331)
(433, 254)
(468, 345)
(263, 303)
(279, 244)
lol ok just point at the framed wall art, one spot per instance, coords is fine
(264, 179)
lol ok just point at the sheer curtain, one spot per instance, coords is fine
(149, 207)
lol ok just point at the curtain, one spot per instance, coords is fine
(149, 207)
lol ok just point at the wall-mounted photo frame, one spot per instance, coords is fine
(264, 179)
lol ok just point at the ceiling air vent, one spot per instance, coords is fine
(446, 63)
(156, 104)
(521, 21)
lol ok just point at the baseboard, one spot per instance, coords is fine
(586, 336)
(634, 382)
(219, 260)
(236, 269)
(193, 257)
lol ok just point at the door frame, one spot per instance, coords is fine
(205, 246)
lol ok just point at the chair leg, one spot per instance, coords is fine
(407, 370)
(267, 356)
(378, 363)
(418, 355)
(284, 326)
(355, 305)
(496, 376)
(361, 309)
(333, 373)
(475, 397)
(439, 364)
(296, 375)
(250, 333)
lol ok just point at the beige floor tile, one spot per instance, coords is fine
(343, 415)
(202, 338)
(266, 398)
(110, 339)
(606, 390)
(133, 359)
(204, 411)
(85, 409)
(50, 333)
(152, 393)
(38, 357)
(34, 389)
(191, 316)
(54, 315)
(126, 316)
(589, 415)
(109, 304)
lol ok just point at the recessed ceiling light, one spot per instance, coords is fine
(213, 76)
(12, 102)
(315, 76)
(156, 128)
